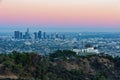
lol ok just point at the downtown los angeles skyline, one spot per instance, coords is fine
(103, 15)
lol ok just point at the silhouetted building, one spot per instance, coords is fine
(18, 35)
(28, 30)
(35, 35)
(44, 35)
(39, 34)
(48, 36)
(56, 35)
(27, 34)
(52, 36)
(63, 37)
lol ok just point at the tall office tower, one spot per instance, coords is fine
(52, 36)
(39, 34)
(44, 35)
(35, 35)
(28, 30)
(27, 34)
(16, 34)
(56, 35)
(63, 37)
(20, 35)
(47, 36)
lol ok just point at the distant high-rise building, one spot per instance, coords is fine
(63, 37)
(18, 35)
(27, 30)
(35, 35)
(39, 34)
(44, 35)
(48, 36)
(27, 34)
(56, 35)
(52, 36)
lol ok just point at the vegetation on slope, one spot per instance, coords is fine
(60, 65)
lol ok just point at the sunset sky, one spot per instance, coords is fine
(60, 13)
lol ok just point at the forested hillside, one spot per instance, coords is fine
(60, 65)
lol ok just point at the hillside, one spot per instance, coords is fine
(60, 65)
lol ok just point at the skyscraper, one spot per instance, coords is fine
(35, 35)
(27, 34)
(56, 35)
(18, 35)
(39, 34)
(44, 35)
(28, 30)
(63, 36)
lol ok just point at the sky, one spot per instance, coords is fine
(100, 15)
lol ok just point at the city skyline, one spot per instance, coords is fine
(61, 14)
(18, 35)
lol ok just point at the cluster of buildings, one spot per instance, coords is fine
(37, 35)
(27, 35)
(45, 43)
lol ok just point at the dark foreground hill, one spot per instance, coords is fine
(60, 65)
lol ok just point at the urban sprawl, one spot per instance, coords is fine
(48, 42)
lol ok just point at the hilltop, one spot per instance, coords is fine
(60, 65)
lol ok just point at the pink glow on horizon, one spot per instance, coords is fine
(52, 14)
